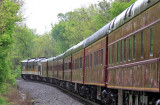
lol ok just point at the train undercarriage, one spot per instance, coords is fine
(103, 95)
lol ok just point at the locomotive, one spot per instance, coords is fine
(117, 65)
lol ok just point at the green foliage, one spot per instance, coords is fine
(8, 17)
(22, 46)
(77, 25)
(43, 46)
(3, 101)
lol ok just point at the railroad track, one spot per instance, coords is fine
(73, 95)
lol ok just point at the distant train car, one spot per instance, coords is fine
(24, 68)
(44, 75)
(58, 69)
(78, 63)
(50, 69)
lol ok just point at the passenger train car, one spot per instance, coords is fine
(117, 65)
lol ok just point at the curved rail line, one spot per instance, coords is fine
(73, 95)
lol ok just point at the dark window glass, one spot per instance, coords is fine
(73, 65)
(113, 54)
(124, 49)
(142, 44)
(91, 60)
(134, 46)
(102, 56)
(117, 52)
(87, 60)
(129, 48)
(151, 41)
(94, 58)
(109, 54)
(80, 62)
(121, 50)
(97, 58)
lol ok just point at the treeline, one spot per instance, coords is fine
(75, 26)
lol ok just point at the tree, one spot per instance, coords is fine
(44, 46)
(8, 19)
(22, 46)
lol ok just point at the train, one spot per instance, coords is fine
(117, 65)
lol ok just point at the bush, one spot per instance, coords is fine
(3, 101)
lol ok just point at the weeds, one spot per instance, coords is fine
(14, 97)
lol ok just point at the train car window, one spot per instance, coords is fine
(101, 56)
(151, 41)
(124, 49)
(73, 65)
(94, 58)
(117, 52)
(109, 54)
(85, 61)
(121, 50)
(97, 58)
(76, 64)
(134, 47)
(113, 54)
(23, 67)
(65, 66)
(90, 60)
(39, 68)
(80, 62)
(129, 49)
(142, 44)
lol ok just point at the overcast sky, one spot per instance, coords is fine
(39, 14)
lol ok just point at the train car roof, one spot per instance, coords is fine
(68, 52)
(96, 36)
(78, 47)
(24, 61)
(61, 56)
(51, 59)
(135, 9)
(31, 60)
(44, 60)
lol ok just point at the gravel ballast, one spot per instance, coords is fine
(46, 95)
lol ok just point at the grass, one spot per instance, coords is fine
(14, 97)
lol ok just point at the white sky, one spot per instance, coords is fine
(39, 14)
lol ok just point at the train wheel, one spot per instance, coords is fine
(81, 91)
(126, 99)
(93, 94)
